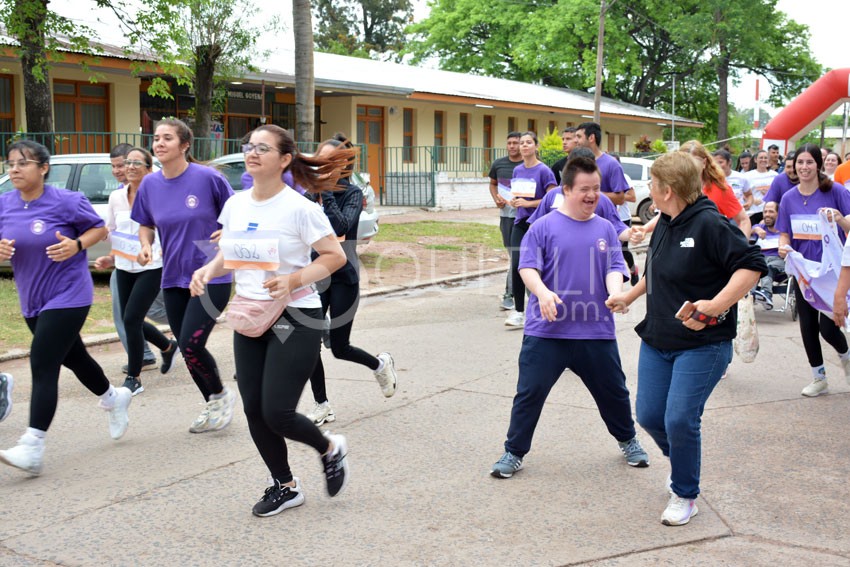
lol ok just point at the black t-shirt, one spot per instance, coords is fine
(558, 167)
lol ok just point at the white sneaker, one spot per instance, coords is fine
(27, 455)
(387, 377)
(516, 319)
(221, 410)
(202, 422)
(6, 385)
(117, 414)
(816, 388)
(321, 413)
(679, 511)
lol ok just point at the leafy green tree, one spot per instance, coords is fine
(551, 147)
(361, 27)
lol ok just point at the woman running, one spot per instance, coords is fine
(182, 203)
(341, 294)
(137, 285)
(274, 366)
(44, 231)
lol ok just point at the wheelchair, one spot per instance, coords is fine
(785, 289)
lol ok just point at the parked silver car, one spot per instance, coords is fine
(232, 166)
(90, 174)
(638, 170)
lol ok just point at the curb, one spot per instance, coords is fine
(107, 338)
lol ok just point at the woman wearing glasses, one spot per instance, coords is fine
(137, 285)
(274, 366)
(44, 231)
(182, 203)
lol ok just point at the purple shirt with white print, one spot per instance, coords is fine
(573, 258)
(798, 217)
(184, 209)
(542, 176)
(42, 283)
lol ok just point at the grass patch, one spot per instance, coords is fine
(445, 247)
(371, 260)
(14, 330)
(468, 232)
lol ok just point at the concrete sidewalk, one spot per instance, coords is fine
(774, 463)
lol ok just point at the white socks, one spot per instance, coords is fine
(107, 399)
(37, 433)
(819, 372)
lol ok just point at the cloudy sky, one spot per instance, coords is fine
(827, 23)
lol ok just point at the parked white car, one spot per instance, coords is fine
(232, 166)
(90, 174)
(638, 170)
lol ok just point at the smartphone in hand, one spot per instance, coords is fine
(685, 311)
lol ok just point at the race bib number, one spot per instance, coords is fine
(505, 193)
(526, 188)
(805, 227)
(125, 245)
(769, 243)
(250, 250)
(558, 200)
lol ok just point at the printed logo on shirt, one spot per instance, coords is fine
(282, 327)
(687, 243)
(252, 226)
(37, 226)
(192, 202)
(602, 245)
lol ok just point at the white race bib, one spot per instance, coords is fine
(125, 245)
(526, 188)
(250, 250)
(770, 243)
(505, 193)
(805, 227)
(556, 202)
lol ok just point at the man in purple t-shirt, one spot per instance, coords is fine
(767, 238)
(614, 183)
(782, 182)
(571, 262)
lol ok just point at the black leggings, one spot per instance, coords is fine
(813, 321)
(136, 293)
(518, 231)
(627, 254)
(342, 300)
(272, 371)
(192, 320)
(56, 342)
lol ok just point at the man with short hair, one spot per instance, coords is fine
(736, 180)
(571, 262)
(784, 181)
(774, 157)
(767, 238)
(614, 184)
(568, 141)
(501, 173)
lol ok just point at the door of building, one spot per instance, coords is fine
(370, 133)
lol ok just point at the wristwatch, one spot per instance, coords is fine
(79, 245)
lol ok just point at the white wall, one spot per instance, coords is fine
(462, 193)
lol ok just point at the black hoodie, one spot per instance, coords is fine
(692, 257)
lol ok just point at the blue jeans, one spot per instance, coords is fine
(541, 363)
(673, 386)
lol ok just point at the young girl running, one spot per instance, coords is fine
(182, 202)
(341, 294)
(273, 367)
(44, 231)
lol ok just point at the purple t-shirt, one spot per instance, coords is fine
(248, 181)
(778, 187)
(573, 258)
(542, 176)
(770, 243)
(794, 213)
(611, 172)
(42, 283)
(605, 208)
(184, 210)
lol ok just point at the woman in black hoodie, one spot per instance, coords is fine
(698, 267)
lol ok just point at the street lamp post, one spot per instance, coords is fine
(600, 46)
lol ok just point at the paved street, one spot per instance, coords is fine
(775, 466)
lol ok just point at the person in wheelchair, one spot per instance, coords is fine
(765, 235)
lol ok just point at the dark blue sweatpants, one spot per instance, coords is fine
(541, 363)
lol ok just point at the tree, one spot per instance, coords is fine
(361, 27)
(198, 42)
(648, 43)
(305, 105)
(37, 29)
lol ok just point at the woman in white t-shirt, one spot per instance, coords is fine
(137, 285)
(273, 368)
(759, 179)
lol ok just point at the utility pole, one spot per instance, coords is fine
(600, 59)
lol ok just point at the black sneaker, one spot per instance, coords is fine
(336, 464)
(133, 384)
(168, 357)
(278, 498)
(147, 364)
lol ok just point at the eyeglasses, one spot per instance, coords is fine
(261, 149)
(135, 163)
(20, 164)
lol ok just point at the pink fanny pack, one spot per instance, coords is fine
(253, 317)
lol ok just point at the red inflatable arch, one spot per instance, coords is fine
(807, 110)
